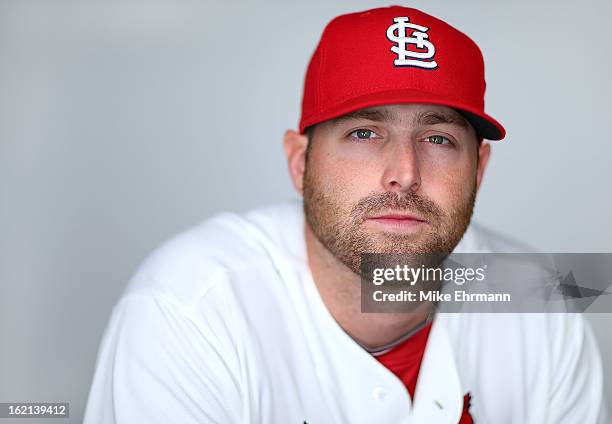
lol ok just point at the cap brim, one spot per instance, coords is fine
(486, 126)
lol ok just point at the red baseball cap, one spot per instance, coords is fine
(395, 55)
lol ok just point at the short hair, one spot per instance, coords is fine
(309, 132)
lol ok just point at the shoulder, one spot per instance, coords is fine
(189, 265)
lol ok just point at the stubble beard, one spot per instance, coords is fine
(344, 236)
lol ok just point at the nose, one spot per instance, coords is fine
(402, 171)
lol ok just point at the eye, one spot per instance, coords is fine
(438, 139)
(363, 134)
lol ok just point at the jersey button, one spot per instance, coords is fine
(379, 393)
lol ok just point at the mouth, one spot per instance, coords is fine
(398, 221)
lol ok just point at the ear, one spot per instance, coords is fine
(295, 149)
(484, 152)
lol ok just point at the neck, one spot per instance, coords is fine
(340, 289)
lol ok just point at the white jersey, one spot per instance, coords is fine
(224, 324)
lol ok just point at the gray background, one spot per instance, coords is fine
(124, 122)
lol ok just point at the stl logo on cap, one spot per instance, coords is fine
(419, 39)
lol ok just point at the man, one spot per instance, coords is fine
(256, 318)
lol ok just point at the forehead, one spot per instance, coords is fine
(406, 114)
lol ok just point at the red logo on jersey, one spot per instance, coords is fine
(466, 418)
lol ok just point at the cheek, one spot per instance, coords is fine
(447, 186)
(345, 177)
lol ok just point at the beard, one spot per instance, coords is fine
(343, 231)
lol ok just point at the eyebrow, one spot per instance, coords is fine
(432, 118)
(429, 117)
(376, 115)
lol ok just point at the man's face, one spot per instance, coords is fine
(391, 179)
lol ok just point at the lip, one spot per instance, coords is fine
(398, 221)
(398, 217)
